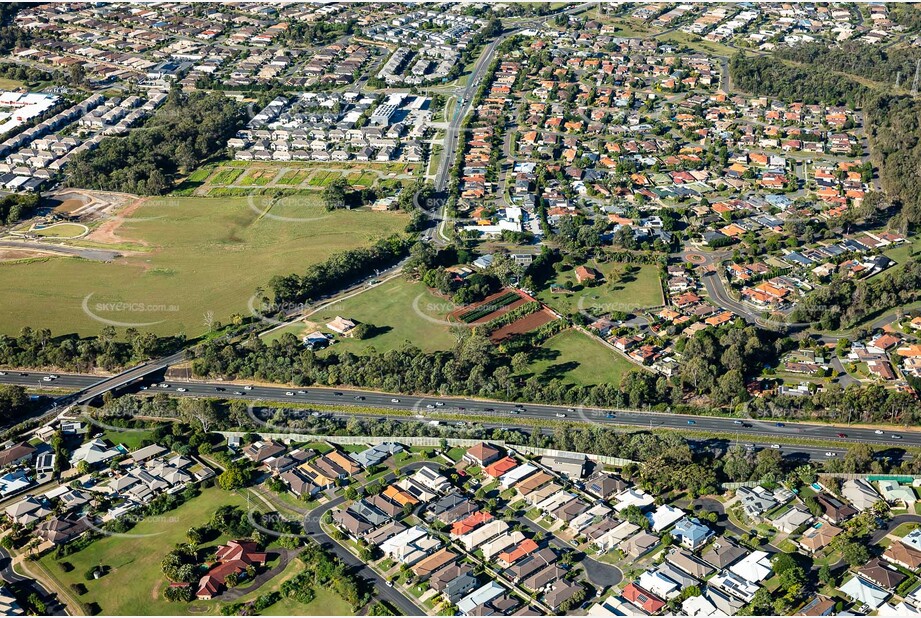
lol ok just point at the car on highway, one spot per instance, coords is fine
(143, 388)
(779, 425)
(777, 446)
(23, 373)
(429, 407)
(489, 409)
(438, 404)
(301, 392)
(181, 390)
(878, 432)
(462, 408)
(289, 393)
(517, 412)
(570, 410)
(2, 373)
(829, 454)
(53, 376)
(560, 415)
(247, 388)
(841, 435)
(896, 436)
(47, 379)
(359, 397)
(238, 392)
(164, 385)
(692, 422)
(609, 415)
(394, 400)
(220, 389)
(337, 394)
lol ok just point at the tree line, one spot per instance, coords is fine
(338, 271)
(187, 130)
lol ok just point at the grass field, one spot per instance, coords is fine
(10, 84)
(638, 290)
(135, 582)
(576, 358)
(226, 176)
(326, 603)
(391, 308)
(61, 230)
(203, 254)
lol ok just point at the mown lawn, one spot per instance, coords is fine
(202, 257)
(326, 603)
(576, 358)
(626, 287)
(134, 584)
(396, 309)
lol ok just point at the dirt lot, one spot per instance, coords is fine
(526, 324)
(455, 315)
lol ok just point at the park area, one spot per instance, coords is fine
(400, 311)
(625, 287)
(577, 358)
(134, 582)
(185, 262)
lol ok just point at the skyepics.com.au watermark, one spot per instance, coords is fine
(106, 312)
(122, 526)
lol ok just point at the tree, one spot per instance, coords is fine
(198, 412)
(236, 476)
(855, 554)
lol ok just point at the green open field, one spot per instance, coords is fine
(326, 603)
(392, 308)
(134, 585)
(576, 358)
(10, 84)
(202, 254)
(638, 290)
(61, 230)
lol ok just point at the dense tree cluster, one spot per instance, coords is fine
(186, 130)
(894, 128)
(845, 302)
(873, 62)
(764, 75)
(38, 348)
(338, 271)
(13, 402)
(14, 207)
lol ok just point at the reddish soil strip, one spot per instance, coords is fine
(486, 318)
(526, 324)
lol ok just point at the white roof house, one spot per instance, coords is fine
(612, 538)
(501, 543)
(734, 585)
(92, 452)
(659, 585)
(754, 567)
(701, 607)
(864, 592)
(409, 546)
(474, 539)
(663, 517)
(632, 496)
(913, 539)
(478, 597)
(516, 474)
(859, 493)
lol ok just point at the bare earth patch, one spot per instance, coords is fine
(9, 255)
(107, 233)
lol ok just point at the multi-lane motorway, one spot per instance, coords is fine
(762, 433)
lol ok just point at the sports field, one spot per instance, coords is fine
(199, 255)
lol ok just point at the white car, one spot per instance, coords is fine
(247, 388)
(438, 404)
(289, 394)
(560, 415)
(775, 446)
(181, 390)
(2, 373)
(301, 392)
(430, 407)
(829, 454)
(164, 385)
(46, 379)
(394, 400)
(53, 376)
(878, 432)
(570, 410)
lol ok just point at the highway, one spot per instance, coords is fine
(760, 433)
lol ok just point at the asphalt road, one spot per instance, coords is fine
(760, 433)
(11, 577)
(385, 592)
